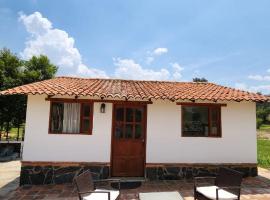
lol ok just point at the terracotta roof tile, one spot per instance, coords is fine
(130, 89)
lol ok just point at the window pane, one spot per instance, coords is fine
(86, 109)
(138, 131)
(215, 121)
(119, 131)
(71, 120)
(195, 121)
(138, 115)
(119, 114)
(128, 131)
(85, 125)
(129, 115)
(57, 117)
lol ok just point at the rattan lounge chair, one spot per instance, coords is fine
(227, 186)
(86, 188)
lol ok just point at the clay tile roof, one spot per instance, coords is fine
(130, 89)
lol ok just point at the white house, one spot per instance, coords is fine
(126, 128)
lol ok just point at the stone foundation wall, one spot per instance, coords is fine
(53, 174)
(170, 172)
(57, 173)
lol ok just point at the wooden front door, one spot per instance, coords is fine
(128, 140)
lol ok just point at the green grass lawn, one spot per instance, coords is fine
(263, 153)
(13, 134)
(265, 127)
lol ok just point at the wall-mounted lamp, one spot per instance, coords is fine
(102, 108)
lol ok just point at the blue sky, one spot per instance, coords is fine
(225, 41)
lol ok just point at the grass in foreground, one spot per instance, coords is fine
(265, 127)
(263, 153)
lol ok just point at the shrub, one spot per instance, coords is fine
(259, 122)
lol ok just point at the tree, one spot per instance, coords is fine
(9, 77)
(15, 72)
(38, 69)
(196, 79)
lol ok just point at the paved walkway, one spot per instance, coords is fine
(9, 177)
(257, 188)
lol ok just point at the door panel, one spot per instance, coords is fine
(128, 140)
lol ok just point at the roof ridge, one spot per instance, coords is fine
(131, 80)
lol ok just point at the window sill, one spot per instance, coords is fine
(201, 136)
(70, 133)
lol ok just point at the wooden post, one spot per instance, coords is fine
(7, 131)
(18, 132)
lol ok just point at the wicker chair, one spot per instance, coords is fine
(227, 186)
(86, 188)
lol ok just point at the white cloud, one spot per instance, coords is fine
(268, 70)
(56, 44)
(259, 77)
(129, 69)
(241, 86)
(258, 88)
(159, 51)
(153, 54)
(177, 74)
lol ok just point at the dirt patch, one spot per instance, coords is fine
(263, 135)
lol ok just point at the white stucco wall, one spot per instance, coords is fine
(164, 141)
(41, 146)
(237, 145)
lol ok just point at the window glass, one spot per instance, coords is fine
(119, 131)
(86, 109)
(138, 115)
(70, 117)
(214, 121)
(129, 115)
(57, 112)
(195, 121)
(119, 114)
(138, 131)
(128, 130)
(201, 121)
(85, 125)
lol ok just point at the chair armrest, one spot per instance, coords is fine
(196, 179)
(90, 192)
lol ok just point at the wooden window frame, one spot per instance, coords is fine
(81, 117)
(209, 108)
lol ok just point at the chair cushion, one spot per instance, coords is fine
(160, 196)
(210, 192)
(102, 196)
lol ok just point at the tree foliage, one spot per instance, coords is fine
(196, 79)
(263, 113)
(15, 72)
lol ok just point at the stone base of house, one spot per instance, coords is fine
(188, 171)
(39, 173)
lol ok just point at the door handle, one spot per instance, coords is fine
(142, 140)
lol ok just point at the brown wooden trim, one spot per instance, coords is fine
(63, 164)
(90, 118)
(97, 100)
(81, 133)
(210, 107)
(200, 164)
(144, 123)
(201, 104)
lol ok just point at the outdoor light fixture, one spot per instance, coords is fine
(102, 107)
